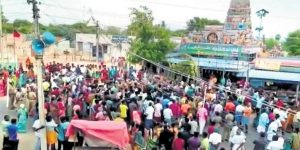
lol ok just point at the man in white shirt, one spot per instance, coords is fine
(83, 69)
(149, 116)
(238, 140)
(194, 125)
(5, 123)
(215, 139)
(168, 115)
(272, 130)
(234, 131)
(275, 144)
(36, 128)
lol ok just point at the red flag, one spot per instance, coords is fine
(16, 34)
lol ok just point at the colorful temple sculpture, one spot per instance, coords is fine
(231, 51)
(227, 48)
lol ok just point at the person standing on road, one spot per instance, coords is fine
(246, 117)
(5, 123)
(167, 113)
(263, 121)
(61, 130)
(12, 131)
(22, 117)
(194, 142)
(296, 139)
(36, 128)
(215, 140)
(202, 117)
(229, 118)
(261, 143)
(238, 140)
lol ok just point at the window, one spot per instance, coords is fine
(80, 46)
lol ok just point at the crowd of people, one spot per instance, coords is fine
(159, 112)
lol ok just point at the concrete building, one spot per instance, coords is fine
(113, 46)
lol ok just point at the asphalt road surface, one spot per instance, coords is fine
(27, 139)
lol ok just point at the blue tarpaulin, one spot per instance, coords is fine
(272, 75)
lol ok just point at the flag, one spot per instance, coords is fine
(16, 34)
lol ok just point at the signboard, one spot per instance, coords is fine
(267, 65)
(211, 49)
(119, 39)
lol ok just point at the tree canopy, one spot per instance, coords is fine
(292, 43)
(188, 67)
(271, 43)
(63, 30)
(198, 24)
(152, 41)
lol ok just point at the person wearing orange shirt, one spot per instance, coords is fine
(185, 107)
(246, 116)
(229, 107)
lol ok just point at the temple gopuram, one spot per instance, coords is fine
(223, 50)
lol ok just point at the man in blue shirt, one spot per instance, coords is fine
(165, 101)
(12, 131)
(61, 129)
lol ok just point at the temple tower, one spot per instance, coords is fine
(238, 15)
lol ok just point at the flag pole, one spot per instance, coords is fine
(14, 49)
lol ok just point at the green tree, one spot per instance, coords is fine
(292, 43)
(271, 43)
(189, 66)
(198, 24)
(112, 30)
(23, 26)
(152, 41)
(180, 32)
(4, 19)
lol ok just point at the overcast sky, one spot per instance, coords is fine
(284, 15)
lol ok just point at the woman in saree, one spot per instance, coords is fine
(22, 119)
(2, 86)
(22, 80)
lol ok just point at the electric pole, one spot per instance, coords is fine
(39, 59)
(97, 41)
(95, 23)
(1, 43)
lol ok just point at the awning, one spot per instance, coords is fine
(216, 64)
(271, 75)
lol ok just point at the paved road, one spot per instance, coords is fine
(27, 139)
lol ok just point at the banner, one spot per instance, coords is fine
(268, 65)
(211, 49)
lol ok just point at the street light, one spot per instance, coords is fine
(261, 13)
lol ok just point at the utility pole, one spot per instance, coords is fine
(97, 41)
(39, 59)
(1, 42)
(95, 23)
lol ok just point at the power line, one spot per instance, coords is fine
(74, 19)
